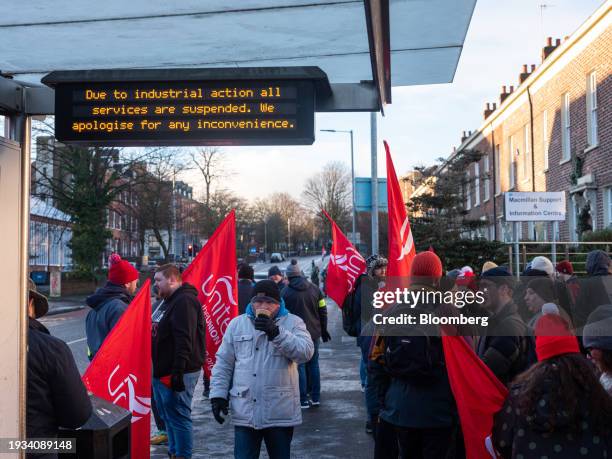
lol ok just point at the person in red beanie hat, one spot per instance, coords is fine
(108, 303)
(426, 264)
(557, 408)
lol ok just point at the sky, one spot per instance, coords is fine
(424, 122)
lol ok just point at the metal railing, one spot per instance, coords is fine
(557, 251)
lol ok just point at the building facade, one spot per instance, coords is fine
(552, 133)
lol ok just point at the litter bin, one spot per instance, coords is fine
(106, 434)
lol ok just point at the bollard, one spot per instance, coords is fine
(106, 434)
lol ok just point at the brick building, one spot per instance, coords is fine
(552, 133)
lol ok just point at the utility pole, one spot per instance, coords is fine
(373, 150)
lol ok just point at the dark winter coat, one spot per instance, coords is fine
(595, 290)
(506, 346)
(418, 402)
(178, 344)
(245, 293)
(56, 396)
(514, 437)
(305, 300)
(108, 304)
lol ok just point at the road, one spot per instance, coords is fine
(70, 327)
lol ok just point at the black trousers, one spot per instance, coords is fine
(431, 443)
(385, 440)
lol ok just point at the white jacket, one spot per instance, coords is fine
(262, 374)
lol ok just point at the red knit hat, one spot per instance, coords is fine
(553, 337)
(565, 267)
(120, 271)
(426, 264)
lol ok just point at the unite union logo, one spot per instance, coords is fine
(126, 397)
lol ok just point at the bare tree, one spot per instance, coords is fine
(211, 162)
(330, 189)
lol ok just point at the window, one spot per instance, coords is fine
(511, 180)
(468, 197)
(476, 184)
(591, 103)
(537, 231)
(545, 138)
(565, 126)
(497, 167)
(487, 181)
(608, 207)
(527, 153)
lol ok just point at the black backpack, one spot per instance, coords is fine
(418, 357)
(351, 312)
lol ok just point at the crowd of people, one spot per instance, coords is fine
(548, 340)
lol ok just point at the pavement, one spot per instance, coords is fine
(65, 304)
(336, 429)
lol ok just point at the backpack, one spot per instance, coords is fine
(351, 312)
(416, 358)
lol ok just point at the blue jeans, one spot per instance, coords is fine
(310, 377)
(363, 371)
(247, 442)
(175, 410)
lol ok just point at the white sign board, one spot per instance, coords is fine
(534, 206)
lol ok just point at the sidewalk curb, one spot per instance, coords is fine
(63, 310)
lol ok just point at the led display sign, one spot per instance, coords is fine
(189, 112)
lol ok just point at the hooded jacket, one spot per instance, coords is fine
(305, 300)
(516, 437)
(108, 304)
(596, 289)
(260, 376)
(56, 396)
(178, 342)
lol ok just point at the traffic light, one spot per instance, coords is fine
(190, 249)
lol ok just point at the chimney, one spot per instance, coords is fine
(464, 136)
(549, 47)
(503, 95)
(488, 110)
(525, 73)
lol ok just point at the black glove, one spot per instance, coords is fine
(267, 325)
(325, 336)
(176, 382)
(219, 405)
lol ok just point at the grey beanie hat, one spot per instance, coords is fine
(597, 333)
(293, 270)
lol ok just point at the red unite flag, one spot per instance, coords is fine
(213, 272)
(345, 265)
(401, 244)
(478, 394)
(121, 370)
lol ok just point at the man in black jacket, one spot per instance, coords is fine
(178, 352)
(506, 346)
(56, 396)
(246, 277)
(305, 300)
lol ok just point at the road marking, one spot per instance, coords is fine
(75, 341)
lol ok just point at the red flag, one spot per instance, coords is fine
(213, 273)
(345, 265)
(401, 244)
(478, 393)
(121, 370)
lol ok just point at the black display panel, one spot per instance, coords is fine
(235, 112)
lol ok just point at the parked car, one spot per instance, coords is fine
(263, 275)
(276, 257)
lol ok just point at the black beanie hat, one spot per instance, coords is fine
(544, 288)
(274, 271)
(266, 290)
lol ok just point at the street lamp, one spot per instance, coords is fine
(352, 176)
